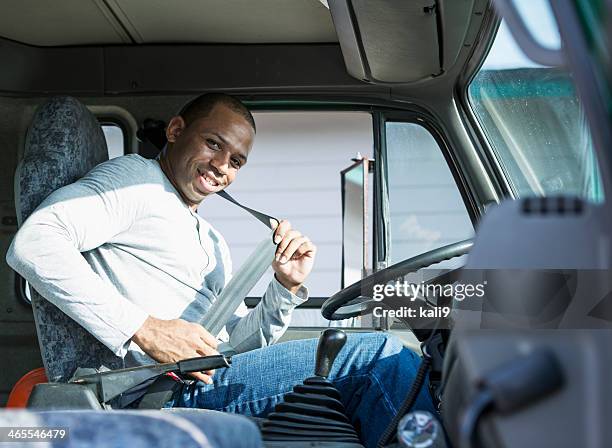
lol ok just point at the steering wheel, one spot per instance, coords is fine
(342, 305)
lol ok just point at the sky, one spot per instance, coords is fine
(538, 17)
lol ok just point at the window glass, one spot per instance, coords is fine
(24, 290)
(426, 208)
(533, 119)
(293, 172)
(114, 139)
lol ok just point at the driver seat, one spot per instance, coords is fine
(63, 143)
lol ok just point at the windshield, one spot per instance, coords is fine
(533, 119)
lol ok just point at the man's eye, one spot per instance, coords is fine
(236, 163)
(213, 144)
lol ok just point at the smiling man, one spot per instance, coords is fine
(124, 253)
(208, 143)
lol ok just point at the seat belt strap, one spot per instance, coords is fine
(267, 220)
(161, 390)
(234, 293)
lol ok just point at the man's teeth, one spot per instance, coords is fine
(210, 181)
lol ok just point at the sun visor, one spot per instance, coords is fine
(398, 41)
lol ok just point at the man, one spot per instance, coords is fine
(123, 252)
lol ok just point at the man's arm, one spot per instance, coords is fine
(47, 252)
(83, 216)
(268, 321)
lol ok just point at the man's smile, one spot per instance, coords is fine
(207, 182)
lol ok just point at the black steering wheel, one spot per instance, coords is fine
(343, 304)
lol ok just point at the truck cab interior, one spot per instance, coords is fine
(471, 140)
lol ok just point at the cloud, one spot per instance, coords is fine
(411, 228)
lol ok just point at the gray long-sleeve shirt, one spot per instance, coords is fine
(120, 244)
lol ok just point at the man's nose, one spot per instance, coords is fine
(220, 162)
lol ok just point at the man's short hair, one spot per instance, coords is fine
(204, 104)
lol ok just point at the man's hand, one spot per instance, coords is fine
(294, 258)
(174, 340)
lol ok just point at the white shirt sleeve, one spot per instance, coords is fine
(47, 252)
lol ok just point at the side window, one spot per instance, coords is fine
(426, 208)
(115, 139)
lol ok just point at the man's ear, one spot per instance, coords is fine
(175, 128)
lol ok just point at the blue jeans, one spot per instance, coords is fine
(373, 373)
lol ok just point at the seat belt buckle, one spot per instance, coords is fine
(175, 377)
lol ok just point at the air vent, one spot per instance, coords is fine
(556, 206)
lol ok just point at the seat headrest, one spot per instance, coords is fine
(63, 143)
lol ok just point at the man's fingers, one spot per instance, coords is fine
(293, 247)
(205, 375)
(290, 236)
(281, 230)
(201, 376)
(208, 338)
(205, 350)
(305, 248)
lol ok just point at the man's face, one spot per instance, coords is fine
(204, 157)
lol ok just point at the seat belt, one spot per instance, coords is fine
(245, 278)
(267, 220)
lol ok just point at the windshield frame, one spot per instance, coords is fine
(490, 159)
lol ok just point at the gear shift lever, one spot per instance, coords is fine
(331, 342)
(314, 411)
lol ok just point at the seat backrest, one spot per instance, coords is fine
(64, 142)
